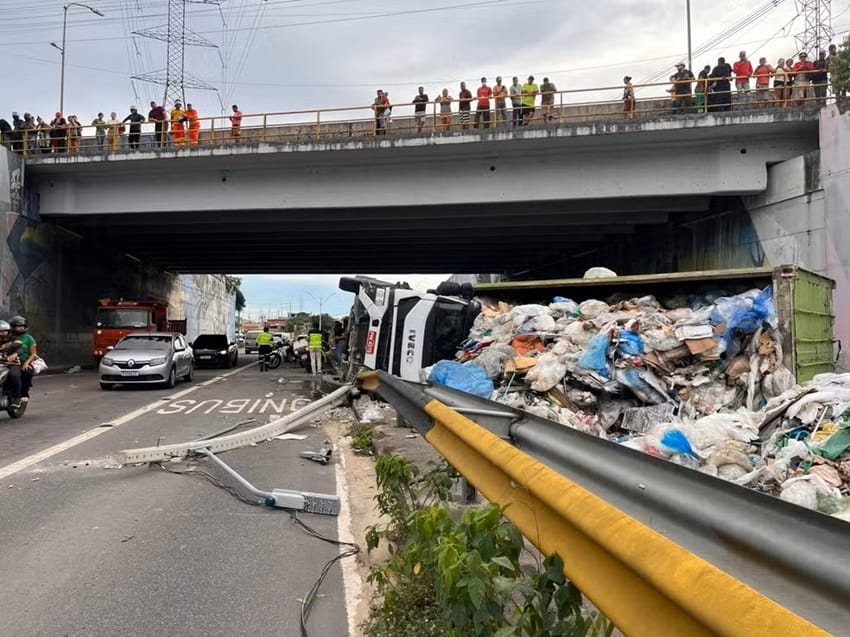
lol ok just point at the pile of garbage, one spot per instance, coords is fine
(700, 382)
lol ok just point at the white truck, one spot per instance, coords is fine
(401, 330)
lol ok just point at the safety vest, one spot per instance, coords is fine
(315, 340)
(264, 338)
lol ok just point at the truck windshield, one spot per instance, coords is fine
(114, 318)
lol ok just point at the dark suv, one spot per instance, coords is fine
(215, 349)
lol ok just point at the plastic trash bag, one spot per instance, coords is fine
(539, 323)
(630, 344)
(660, 340)
(471, 379)
(595, 356)
(564, 306)
(676, 442)
(493, 359)
(548, 372)
(593, 308)
(577, 333)
(599, 273)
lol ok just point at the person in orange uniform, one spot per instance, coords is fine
(194, 125)
(178, 116)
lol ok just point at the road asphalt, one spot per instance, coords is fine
(89, 548)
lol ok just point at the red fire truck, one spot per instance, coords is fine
(118, 317)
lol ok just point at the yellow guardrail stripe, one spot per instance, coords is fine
(646, 584)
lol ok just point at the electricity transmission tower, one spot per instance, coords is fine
(177, 37)
(817, 32)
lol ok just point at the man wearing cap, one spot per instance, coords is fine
(628, 98)
(743, 70)
(682, 80)
(500, 94)
(178, 130)
(158, 117)
(802, 79)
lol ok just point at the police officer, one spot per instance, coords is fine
(314, 344)
(264, 345)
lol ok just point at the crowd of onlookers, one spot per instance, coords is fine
(180, 127)
(789, 83)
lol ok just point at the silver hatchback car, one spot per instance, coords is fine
(147, 358)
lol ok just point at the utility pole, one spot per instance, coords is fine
(321, 302)
(817, 30)
(63, 48)
(690, 52)
(176, 37)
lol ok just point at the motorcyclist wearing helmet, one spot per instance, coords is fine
(10, 355)
(29, 352)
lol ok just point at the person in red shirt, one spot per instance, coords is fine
(802, 81)
(742, 70)
(236, 123)
(763, 73)
(482, 110)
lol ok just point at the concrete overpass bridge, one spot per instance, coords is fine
(508, 200)
(654, 194)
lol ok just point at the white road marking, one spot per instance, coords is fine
(351, 582)
(35, 458)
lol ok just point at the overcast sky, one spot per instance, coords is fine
(298, 54)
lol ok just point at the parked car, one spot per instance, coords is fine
(147, 358)
(215, 349)
(251, 342)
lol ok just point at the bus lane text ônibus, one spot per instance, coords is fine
(233, 406)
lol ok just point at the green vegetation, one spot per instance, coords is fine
(840, 69)
(460, 578)
(362, 439)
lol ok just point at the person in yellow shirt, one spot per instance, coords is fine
(529, 98)
(178, 117)
(264, 343)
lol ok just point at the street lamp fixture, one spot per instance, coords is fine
(321, 302)
(61, 49)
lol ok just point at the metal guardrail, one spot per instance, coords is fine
(567, 106)
(660, 549)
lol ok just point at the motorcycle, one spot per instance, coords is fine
(278, 355)
(5, 397)
(301, 352)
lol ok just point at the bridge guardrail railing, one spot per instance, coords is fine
(299, 126)
(658, 548)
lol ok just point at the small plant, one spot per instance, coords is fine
(362, 440)
(459, 578)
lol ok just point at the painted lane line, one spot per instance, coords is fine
(35, 458)
(352, 583)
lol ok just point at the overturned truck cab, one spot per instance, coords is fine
(401, 330)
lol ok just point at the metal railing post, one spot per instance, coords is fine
(265, 123)
(318, 124)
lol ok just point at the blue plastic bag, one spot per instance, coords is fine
(743, 312)
(595, 356)
(630, 344)
(676, 441)
(471, 379)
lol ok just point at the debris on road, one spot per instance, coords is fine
(697, 381)
(290, 437)
(322, 457)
